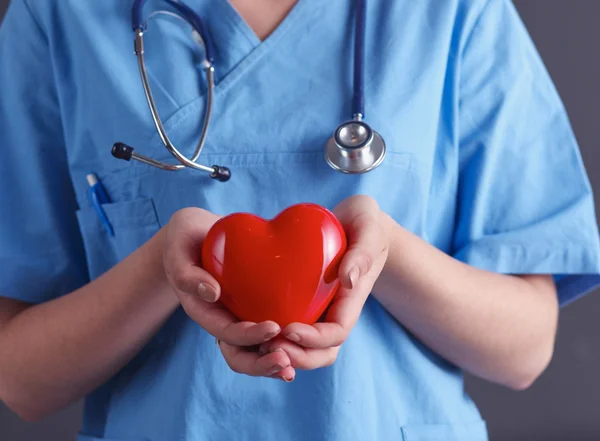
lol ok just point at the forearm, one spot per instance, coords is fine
(498, 327)
(54, 353)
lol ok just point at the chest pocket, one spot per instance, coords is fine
(263, 184)
(134, 222)
(276, 157)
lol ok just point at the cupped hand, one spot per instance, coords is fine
(199, 292)
(318, 345)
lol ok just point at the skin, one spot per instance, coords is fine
(263, 16)
(499, 327)
(512, 319)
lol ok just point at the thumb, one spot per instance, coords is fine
(184, 274)
(356, 263)
(181, 255)
(366, 244)
(193, 280)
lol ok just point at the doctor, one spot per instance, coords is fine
(466, 236)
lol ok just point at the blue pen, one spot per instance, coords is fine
(98, 197)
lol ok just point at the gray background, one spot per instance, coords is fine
(565, 402)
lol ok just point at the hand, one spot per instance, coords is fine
(311, 347)
(198, 293)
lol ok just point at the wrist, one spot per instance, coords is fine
(398, 268)
(390, 230)
(157, 269)
(388, 227)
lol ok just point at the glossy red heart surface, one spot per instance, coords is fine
(284, 269)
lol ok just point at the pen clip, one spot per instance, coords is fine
(98, 197)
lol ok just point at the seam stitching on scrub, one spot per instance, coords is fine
(230, 80)
(476, 25)
(141, 170)
(36, 20)
(162, 88)
(237, 20)
(51, 68)
(263, 48)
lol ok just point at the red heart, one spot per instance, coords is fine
(284, 269)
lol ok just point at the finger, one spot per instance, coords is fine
(341, 317)
(304, 358)
(319, 335)
(252, 363)
(288, 374)
(192, 280)
(182, 256)
(249, 334)
(366, 242)
(221, 323)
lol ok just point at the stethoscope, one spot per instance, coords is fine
(354, 147)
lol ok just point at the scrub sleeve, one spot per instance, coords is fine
(41, 251)
(525, 205)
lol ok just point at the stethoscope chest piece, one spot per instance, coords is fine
(355, 148)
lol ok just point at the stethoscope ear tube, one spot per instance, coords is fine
(354, 148)
(221, 174)
(122, 151)
(125, 152)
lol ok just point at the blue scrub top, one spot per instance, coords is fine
(482, 163)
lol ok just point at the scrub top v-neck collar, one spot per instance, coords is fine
(234, 39)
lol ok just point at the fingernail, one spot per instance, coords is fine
(207, 292)
(293, 337)
(275, 368)
(288, 380)
(270, 335)
(353, 276)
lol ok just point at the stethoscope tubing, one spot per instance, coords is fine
(185, 162)
(340, 155)
(137, 22)
(358, 105)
